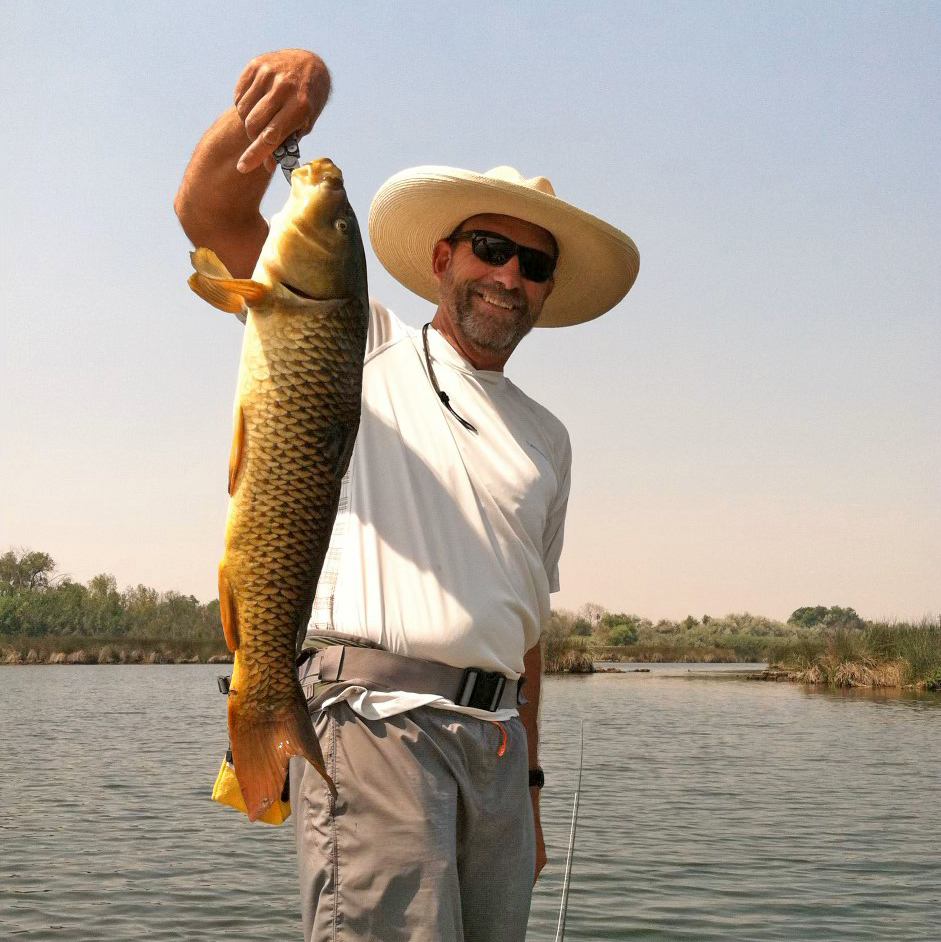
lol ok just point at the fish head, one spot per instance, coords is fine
(314, 246)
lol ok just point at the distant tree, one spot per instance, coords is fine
(843, 618)
(689, 623)
(592, 612)
(744, 623)
(814, 616)
(10, 614)
(104, 613)
(809, 616)
(706, 619)
(581, 627)
(25, 571)
(560, 624)
(610, 619)
(102, 586)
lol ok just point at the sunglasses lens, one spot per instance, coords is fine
(535, 265)
(493, 250)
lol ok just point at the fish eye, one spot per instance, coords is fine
(341, 225)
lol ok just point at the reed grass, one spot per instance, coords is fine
(563, 654)
(82, 649)
(883, 654)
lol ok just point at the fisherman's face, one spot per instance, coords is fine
(492, 307)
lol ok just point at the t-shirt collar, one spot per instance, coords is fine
(442, 351)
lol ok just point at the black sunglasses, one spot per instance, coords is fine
(497, 250)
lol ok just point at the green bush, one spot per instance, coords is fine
(623, 634)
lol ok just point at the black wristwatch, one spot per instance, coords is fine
(537, 778)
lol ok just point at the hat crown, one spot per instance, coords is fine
(512, 175)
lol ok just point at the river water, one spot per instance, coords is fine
(711, 808)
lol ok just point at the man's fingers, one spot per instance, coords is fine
(268, 126)
(276, 95)
(267, 113)
(252, 94)
(262, 147)
(245, 80)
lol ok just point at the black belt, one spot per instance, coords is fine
(374, 668)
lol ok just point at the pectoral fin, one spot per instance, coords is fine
(207, 263)
(213, 283)
(228, 611)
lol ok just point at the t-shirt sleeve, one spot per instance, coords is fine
(555, 522)
(384, 327)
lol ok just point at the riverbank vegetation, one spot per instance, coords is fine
(48, 618)
(816, 644)
(879, 654)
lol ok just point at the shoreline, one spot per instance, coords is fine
(887, 675)
(106, 656)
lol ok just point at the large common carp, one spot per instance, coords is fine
(296, 414)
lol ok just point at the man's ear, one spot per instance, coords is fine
(440, 259)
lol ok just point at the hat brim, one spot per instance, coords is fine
(416, 208)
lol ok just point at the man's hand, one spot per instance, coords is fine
(277, 94)
(219, 199)
(541, 858)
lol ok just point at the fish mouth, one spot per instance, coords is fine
(322, 171)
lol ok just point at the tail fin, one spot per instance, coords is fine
(261, 750)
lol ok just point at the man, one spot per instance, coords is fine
(448, 539)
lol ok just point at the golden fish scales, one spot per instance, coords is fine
(296, 414)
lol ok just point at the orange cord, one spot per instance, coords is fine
(502, 747)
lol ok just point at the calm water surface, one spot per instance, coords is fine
(712, 808)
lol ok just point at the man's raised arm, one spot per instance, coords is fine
(277, 94)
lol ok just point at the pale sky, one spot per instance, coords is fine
(756, 427)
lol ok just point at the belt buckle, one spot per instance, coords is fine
(481, 689)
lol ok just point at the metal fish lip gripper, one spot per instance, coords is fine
(288, 155)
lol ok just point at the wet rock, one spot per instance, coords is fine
(32, 657)
(220, 659)
(57, 658)
(14, 657)
(80, 657)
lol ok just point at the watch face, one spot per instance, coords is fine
(537, 778)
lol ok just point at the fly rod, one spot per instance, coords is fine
(567, 878)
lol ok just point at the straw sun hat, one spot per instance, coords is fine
(417, 207)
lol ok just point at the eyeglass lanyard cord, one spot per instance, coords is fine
(442, 395)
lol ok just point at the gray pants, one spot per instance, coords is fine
(431, 839)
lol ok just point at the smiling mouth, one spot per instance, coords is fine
(494, 302)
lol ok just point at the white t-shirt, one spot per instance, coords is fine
(447, 543)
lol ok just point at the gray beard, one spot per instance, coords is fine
(485, 331)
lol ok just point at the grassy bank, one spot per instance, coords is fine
(820, 646)
(81, 649)
(883, 654)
